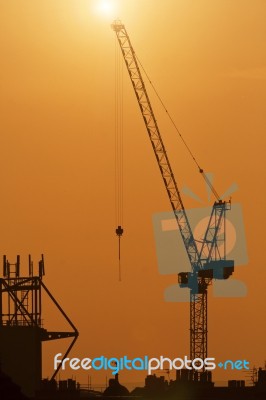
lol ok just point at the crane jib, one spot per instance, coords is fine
(157, 144)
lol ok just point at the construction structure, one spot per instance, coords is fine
(21, 325)
(208, 260)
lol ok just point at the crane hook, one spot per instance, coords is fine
(119, 231)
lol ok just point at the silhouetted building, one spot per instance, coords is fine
(115, 388)
(8, 389)
(21, 356)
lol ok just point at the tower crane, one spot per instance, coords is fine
(207, 259)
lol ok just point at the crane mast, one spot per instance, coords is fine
(207, 262)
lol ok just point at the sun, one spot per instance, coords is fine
(106, 8)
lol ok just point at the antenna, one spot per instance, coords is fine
(5, 266)
(41, 267)
(18, 267)
(30, 266)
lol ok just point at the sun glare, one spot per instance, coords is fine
(105, 8)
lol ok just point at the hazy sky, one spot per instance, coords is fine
(208, 61)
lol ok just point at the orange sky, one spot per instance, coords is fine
(208, 61)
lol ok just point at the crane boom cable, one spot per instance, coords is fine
(116, 140)
(178, 132)
(118, 136)
(119, 128)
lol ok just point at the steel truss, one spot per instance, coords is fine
(21, 303)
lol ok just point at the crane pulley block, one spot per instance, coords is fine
(119, 230)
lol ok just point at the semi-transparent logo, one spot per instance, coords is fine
(171, 253)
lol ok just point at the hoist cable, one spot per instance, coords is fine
(119, 128)
(179, 133)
